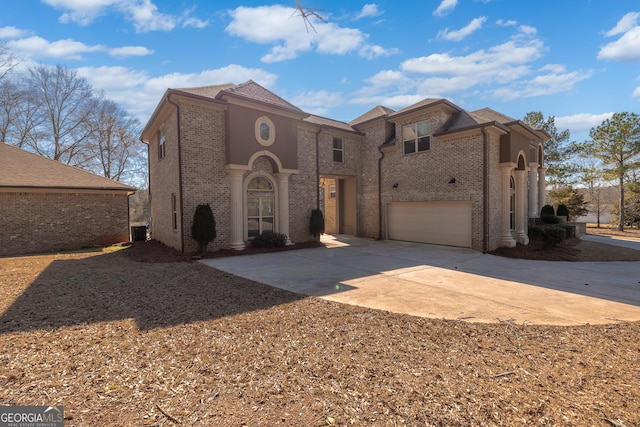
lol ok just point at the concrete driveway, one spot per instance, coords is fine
(449, 283)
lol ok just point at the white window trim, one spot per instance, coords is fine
(272, 131)
(414, 126)
(340, 150)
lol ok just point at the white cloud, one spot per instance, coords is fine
(285, 29)
(388, 78)
(636, 92)
(507, 23)
(582, 122)
(318, 102)
(555, 79)
(37, 47)
(626, 23)
(626, 48)
(139, 93)
(143, 13)
(458, 35)
(445, 7)
(11, 33)
(130, 51)
(374, 51)
(369, 11)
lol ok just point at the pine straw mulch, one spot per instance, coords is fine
(120, 342)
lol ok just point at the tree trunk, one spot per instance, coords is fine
(621, 210)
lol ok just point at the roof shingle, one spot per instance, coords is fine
(19, 168)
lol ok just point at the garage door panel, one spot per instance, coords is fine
(442, 223)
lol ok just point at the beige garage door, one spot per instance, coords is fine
(440, 223)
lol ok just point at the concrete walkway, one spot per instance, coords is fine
(449, 283)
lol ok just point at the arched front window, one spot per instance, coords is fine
(260, 206)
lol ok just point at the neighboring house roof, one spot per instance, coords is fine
(336, 124)
(373, 114)
(22, 169)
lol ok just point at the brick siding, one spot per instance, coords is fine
(43, 222)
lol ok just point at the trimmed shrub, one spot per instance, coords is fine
(316, 223)
(535, 231)
(562, 210)
(553, 235)
(203, 229)
(547, 210)
(549, 219)
(269, 240)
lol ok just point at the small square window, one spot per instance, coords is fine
(416, 137)
(332, 191)
(337, 149)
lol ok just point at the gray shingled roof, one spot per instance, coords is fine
(374, 113)
(425, 103)
(253, 91)
(19, 168)
(336, 124)
(207, 91)
(486, 115)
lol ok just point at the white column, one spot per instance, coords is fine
(521, 207)
(542, 187)
(505, 235)
(283, 204)
(533, 190)
(237, 215)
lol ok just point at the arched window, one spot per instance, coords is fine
(260, 206)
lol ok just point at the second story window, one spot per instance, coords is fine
(416, 137)
(161, 144)
(337, 149)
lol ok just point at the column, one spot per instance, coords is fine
(237, 215)
(283, 204)
(542, 187)
(534, 209)
(505, 235)
(521, 207)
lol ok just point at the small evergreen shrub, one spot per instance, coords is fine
(547, 210)
(535, 231)
(203, 228)
(549, 219)
(562, 210)
(269, 240)
(553, 235)
(316, 223)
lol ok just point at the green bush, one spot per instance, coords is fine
(547, 210)
(316, 223)
(203, 228)
(562, 210)
(549, 219)
(553, 235)
(535, 231)
(269, 240)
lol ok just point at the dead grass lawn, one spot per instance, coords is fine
(120, 342)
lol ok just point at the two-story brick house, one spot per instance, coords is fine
(431, 172)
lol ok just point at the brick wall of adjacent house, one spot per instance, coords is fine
(42, 222)
(204, 176)
(329, 205)
(425, 176)
(163, 183)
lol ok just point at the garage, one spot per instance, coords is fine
(440, 223)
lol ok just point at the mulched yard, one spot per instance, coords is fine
(123, 341)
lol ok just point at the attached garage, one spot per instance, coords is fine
(440, 223)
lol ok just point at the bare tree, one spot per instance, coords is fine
(65, 101)
(113, 141)
(7, 61)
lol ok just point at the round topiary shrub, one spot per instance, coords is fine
(549, 219)
(563, 210)
(547, 210)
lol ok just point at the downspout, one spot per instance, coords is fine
(149, 223)
(179, 172)
(318, 169)
(485, 191)
(380, 228)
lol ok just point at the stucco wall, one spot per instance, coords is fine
(42, 222)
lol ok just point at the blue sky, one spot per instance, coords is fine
(573, 59)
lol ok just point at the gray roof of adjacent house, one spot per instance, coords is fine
(22, 169)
